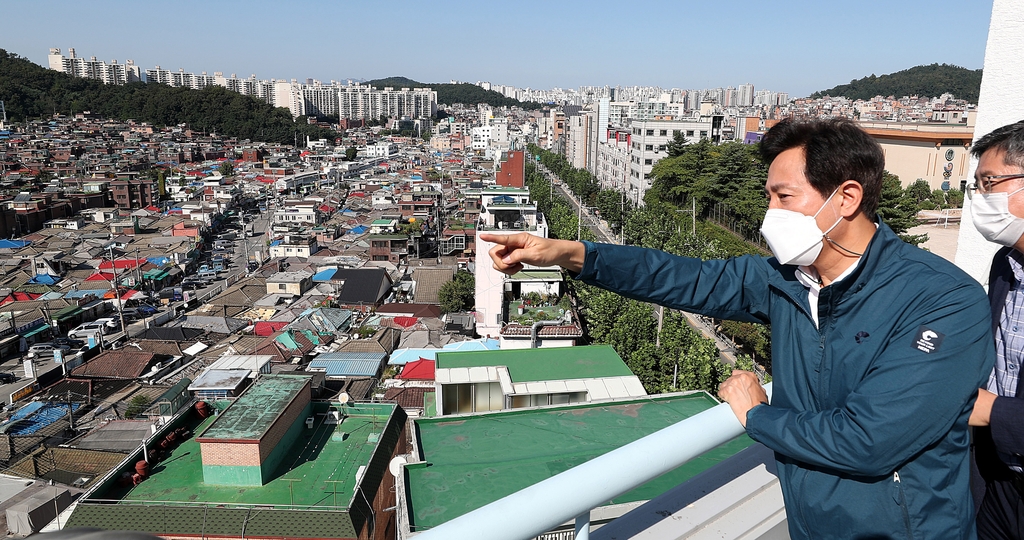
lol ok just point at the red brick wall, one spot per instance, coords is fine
(511, 172)
(227, 453)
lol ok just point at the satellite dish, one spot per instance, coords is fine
(395, 467)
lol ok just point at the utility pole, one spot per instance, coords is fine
(117, 293)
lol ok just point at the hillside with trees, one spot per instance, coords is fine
(925, 81)
(30, 92)
(465, 93)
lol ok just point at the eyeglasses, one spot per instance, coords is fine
(985, 183)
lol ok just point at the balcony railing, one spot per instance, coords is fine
(571, 495)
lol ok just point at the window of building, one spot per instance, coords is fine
(663, 132)
(689, 133)
(649, 147)
(703, 133)
(647, 161)
(650, 132)
(282, 286)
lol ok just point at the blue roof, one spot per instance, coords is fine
(82, 293)
(13, 244)
(276, 243)
(324, 275)
(38, 419)
(44, 279)
(360, 229)
(403, 356)
(352, 364)
(159, 261)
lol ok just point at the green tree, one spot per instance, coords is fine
(898, 208)
(226, 168)
(136, 406)
(350, 153)
(955, 198)
(459, 293)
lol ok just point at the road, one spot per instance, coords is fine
(592, 221)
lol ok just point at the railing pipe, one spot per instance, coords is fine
(582, 527)
(545, 505)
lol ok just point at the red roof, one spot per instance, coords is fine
(19, 297)
(122, 264)
(419, 370)
(266, 328)
(101, 276)
(124, 296)
(151, 208)
(406, 322)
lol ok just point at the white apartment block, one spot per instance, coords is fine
(581, 141)
(503, 210)
(612, 161)
(367, 103)
(649, 143)
(112, 73)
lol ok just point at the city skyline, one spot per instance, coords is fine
(539, 46)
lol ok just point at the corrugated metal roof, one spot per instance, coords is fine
(348, 364)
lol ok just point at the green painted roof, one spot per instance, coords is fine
(309, 495)
(252, 414)
(471, 461)
(546, 364)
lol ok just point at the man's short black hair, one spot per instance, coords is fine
(835, 150)
(1009, 138)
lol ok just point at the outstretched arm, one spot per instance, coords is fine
(514, 250)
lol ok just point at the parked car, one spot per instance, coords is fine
(99, 326)
(7, 378)
(45, 349)
(73, 343)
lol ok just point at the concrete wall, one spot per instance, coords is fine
(999, 104)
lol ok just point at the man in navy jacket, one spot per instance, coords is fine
(877, 346)
(997, 207)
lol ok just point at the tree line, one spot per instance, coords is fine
(925, 81)
(32, 92)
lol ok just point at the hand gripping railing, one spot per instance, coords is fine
(574, 493)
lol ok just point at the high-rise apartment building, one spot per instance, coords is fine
(649, 143)
(112, 73)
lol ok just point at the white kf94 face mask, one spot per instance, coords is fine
(794, 237)
(991, 215)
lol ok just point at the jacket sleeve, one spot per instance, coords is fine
(734, 288)
(1007, 425)
(906, 401)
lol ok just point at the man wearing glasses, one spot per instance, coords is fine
(997, 207)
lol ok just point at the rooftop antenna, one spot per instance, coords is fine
(3, 115)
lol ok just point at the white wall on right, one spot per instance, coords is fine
(999, 104)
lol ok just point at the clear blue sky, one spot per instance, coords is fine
(797, 46)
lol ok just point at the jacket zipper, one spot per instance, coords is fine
(903, 502)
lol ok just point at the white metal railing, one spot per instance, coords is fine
(571, 495)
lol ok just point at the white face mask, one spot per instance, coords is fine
(794, 237)
(991, 215)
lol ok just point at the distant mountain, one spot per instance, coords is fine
(925, 81)
(30, 91)
(465, 93)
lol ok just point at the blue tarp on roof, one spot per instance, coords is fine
(402, 356)
(44, 279)
(324, 275)
(360, 229)
(13, 244)
(276, 243)
(347, 211)
(44, 416)
(159, 261)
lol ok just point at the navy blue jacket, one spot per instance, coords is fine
(869, 411)
(1005, 432)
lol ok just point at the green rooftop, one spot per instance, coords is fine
(470, 461)
(252, 414)
(545, 364)
(312, 492)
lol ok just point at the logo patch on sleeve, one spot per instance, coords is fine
(928, 340)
